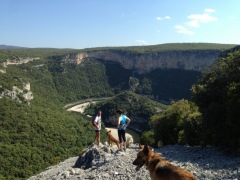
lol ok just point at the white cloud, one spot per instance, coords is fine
(202, 18)
(197, 19)
(193, 23)
(163, 18)
(207, 10)
(142, 42)
(183, 30)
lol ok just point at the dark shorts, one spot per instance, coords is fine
(121, 135)
(97, 131)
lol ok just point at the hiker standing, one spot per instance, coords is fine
(123, 122)
(97, 127)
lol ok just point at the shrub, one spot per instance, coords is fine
(148, 138)
(180, 123)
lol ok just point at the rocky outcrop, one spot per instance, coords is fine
(15, 61)
(143, 63)
(110, 164)
(19, 60)
(75, 58)
(20, 95)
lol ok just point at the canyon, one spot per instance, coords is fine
(195, 60)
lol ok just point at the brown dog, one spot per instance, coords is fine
(160, 168)
(111, 139)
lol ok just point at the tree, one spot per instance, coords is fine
(180, 123)
(217, 94)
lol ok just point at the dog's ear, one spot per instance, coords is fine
(146, 149)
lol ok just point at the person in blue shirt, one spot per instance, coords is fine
(123, 122)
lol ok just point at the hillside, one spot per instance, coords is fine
(166, 72)
(36, 132)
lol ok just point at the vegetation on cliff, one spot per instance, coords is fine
(41, 134)
(74, 82)
(167, 47)
(213, 116)
(217, 94)
(15, 54)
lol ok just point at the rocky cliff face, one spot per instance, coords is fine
(143, 63)
(20, 95)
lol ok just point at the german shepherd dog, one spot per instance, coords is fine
(111, 139)
(160, 168)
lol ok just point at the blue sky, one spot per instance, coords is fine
(98, 23)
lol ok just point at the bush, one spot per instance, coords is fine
(180, 123)
(148, 138)
(217, 94)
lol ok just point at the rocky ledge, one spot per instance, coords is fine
(108, 163)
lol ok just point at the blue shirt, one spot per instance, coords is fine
(123, 123)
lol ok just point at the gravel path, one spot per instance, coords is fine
(107, 163)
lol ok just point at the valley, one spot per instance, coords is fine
(38, 132)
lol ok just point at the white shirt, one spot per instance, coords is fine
(98, 122)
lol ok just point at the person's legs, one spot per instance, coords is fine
(98, 137)
(95, 137)
(120, 138)
(124, 140)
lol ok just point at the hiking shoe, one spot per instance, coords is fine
(124, 149)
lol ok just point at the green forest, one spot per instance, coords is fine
(41, 133)
(211, 118)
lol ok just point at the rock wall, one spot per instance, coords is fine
(16, 92)
(18, 60)
(143, 63)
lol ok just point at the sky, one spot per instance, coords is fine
(83, 24)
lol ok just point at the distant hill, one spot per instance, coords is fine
(2, 46)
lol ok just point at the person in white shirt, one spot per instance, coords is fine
(97, 127)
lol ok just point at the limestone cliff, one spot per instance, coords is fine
(142, 63)
(20, 95)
